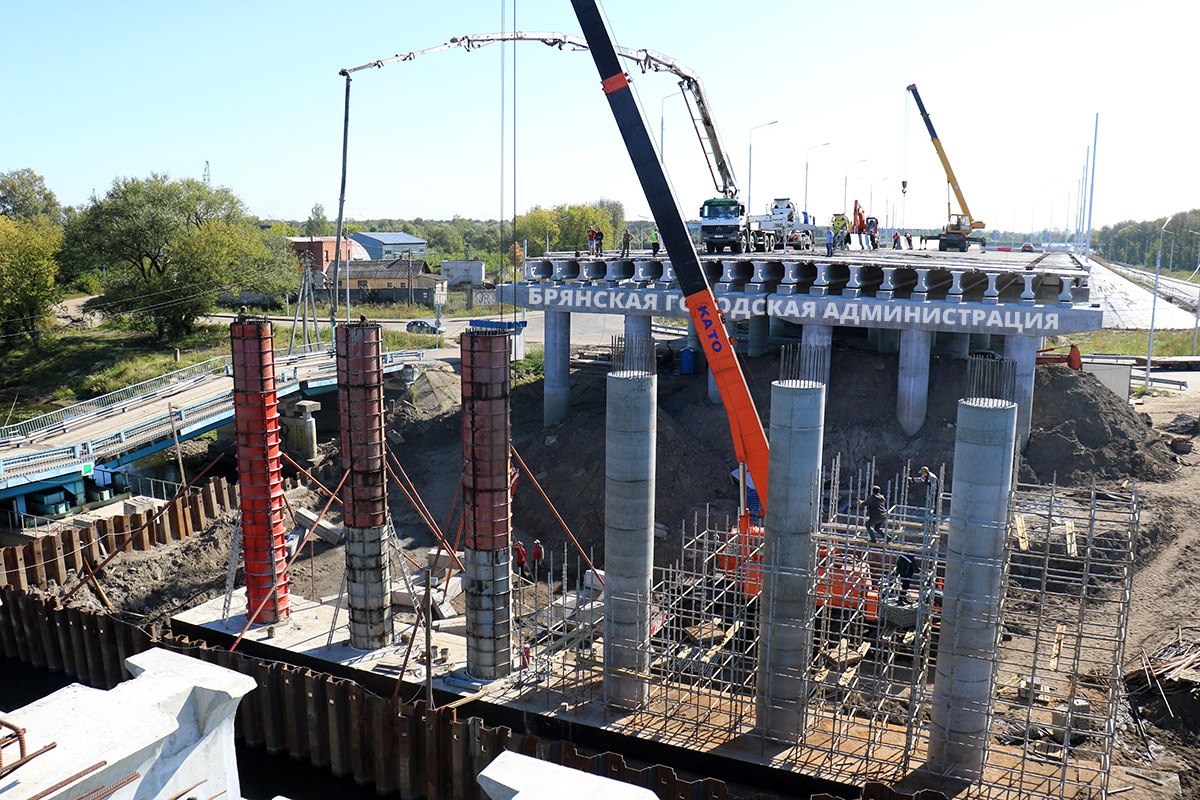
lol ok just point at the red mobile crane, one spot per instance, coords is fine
(749, 438)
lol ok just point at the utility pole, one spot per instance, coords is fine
(1087, 248)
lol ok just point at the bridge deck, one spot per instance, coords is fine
(74, 440)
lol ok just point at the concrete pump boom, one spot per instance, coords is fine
(647, 60)
(749, 438)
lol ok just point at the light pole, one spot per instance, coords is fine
(871, 192)
(750, 164)
(806, 152)
(1154, 301)
(1196, 327)
(846, 180)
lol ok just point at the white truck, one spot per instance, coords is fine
(790, 226)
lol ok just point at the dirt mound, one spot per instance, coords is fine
(1082, 430)
(151, 585)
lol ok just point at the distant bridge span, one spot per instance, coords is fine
(63, 446)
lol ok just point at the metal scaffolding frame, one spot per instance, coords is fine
(869, 686)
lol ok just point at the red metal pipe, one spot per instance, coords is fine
(260, 470)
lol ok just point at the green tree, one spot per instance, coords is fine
(317, 223)
(149, 234)
(28, 249)
(24, 194)
(535, 226)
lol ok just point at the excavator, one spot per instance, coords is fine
(957, 234)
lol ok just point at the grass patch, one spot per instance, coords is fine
(1128, 343)
(530, 368)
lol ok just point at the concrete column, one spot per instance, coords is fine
(776, 328)
(958, 345)
(693, 343)
(1023, 350)
(359, 350)
(964, 682)
(820, 336)
(637, 325)
(785, 640)
(889, 340)
(556, 385)
(981, 341)
(912, 387)
(759, 328)
(302, 429)
(487, 503)
(630, 431)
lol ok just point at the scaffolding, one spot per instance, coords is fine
(875, 622)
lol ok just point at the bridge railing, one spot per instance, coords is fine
(137, 392)
(158, 426)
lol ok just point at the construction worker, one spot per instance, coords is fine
(519, 558)
(876, 505)
(927, 480)
(829, 242)
(626, 238)
(591, 240)
(599, 242)
(908, 238)
(654, 242)
(896, 240)
(538, 555)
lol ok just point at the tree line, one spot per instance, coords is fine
(1137, 242)
(161, 251)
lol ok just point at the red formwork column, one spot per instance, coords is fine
(260, 475)
(487, 501)
(360, 410)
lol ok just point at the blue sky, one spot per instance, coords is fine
(95, 91)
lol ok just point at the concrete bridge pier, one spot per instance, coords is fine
(556, 385)
(958, 345)
(785, 647)
(889, 340)
(819, 337)
(759, 329)
(693, 343)
(964, 682)
(637, 325)
(1023, 350)
(630, 442)
(912, 386)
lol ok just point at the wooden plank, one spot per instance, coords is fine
(1022, 533)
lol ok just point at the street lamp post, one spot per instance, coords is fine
(1154, 300)
(846, 180)
(750, 163)
(806, 152)
(1196, 327)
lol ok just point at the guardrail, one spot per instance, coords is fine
(97, 405)
(159, 426)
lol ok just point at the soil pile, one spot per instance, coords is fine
(151, 585)
(1082, 430)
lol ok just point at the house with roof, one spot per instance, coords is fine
(318, 251)
(386, 245)
(399, 280)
